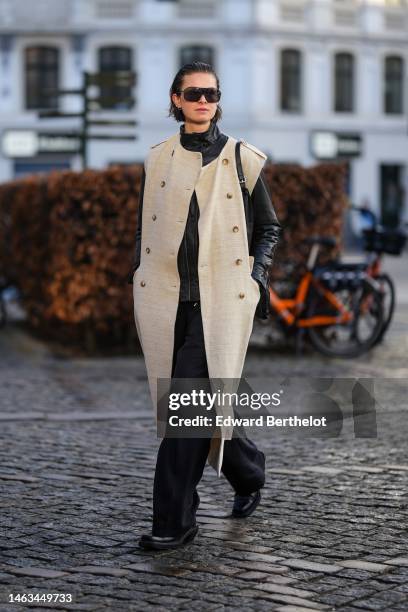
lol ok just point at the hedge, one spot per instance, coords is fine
(67, 243)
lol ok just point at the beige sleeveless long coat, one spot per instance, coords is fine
(228, 293)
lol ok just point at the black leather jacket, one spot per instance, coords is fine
(263, 227)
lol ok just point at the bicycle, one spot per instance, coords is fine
(378, 240)
(341, 310)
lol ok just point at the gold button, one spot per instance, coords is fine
(238, 261)
(162, 184)
(242, 295)
(142, 283)
(147, 250)
(229, 195)
(225, 161)
(235, 228)
(154, 217)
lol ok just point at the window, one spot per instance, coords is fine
(192, 9)
(113, 59)
(290, 77)
(41, 74)
(393, 85)
(292, 11)
(343, 83)
(197, 53)
(119, 9)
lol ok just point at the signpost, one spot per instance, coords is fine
(112, 80)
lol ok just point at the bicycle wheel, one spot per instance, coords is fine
(354, 337)
(387, 290)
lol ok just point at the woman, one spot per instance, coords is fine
(200, 273)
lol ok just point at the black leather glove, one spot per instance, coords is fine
(265, 237)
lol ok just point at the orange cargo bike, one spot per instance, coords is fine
(341, 310)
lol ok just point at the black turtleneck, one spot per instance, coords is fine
(191, 140)
(208, 143)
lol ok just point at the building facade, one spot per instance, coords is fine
(304, 80)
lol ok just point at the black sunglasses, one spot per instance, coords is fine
(193, 94)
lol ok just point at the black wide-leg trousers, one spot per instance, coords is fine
(181, 461)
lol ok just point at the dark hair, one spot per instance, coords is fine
(178, 84)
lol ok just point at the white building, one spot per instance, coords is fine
(300, 79)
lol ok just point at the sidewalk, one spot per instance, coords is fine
(77, 457)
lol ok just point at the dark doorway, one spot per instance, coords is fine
(392, 194)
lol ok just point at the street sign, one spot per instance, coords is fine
(334, 145)
(62, 92)
(111, 101)
(111, 137)
(120, 77)
(19, 143)
(29, 143)
(59, 143)
(108, 82)
(58, 114)
(128, 122)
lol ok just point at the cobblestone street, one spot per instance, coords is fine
(78, 446)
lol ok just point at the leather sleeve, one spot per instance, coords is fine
(266, 234)
(138, 241)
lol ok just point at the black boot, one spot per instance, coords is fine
(244, 505)
(152, 542)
